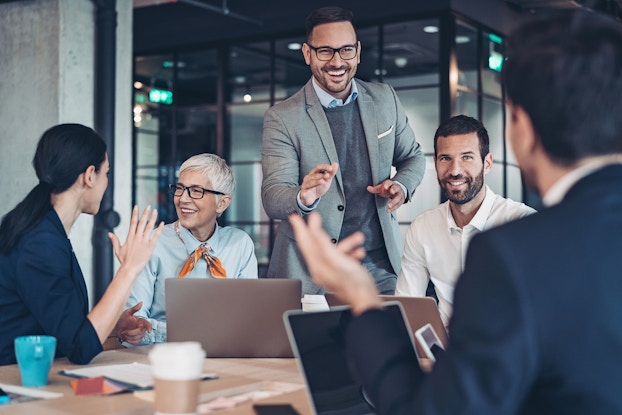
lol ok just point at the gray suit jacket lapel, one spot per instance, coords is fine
(316, 112)
(367, 110)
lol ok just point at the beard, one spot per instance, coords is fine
(460, 197)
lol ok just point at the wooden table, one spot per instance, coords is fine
(232, 373)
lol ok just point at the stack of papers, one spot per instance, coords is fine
(22, 394)
(134, 376)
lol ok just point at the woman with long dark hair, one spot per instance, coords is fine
(42, 289)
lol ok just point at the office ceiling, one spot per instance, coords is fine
(185, 26)
(168, 24)
(161, 25)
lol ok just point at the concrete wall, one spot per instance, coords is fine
(47, 77)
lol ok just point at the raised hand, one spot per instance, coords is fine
(139, 244)
(317, 182)
(389, 190)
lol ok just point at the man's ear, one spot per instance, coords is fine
(487, 163)
(306, 53)
(521, 134)
(223, 203)
(358, 54)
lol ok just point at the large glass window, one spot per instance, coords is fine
(290, 70)
(410, 63)
(251, 72)
(174, 117)
(467, 57)
(479, 55)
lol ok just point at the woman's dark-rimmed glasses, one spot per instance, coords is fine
(195, 192)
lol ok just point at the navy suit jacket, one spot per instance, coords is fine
(537, 326)
(42, 291)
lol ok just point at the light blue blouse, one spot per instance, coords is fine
(231, 245)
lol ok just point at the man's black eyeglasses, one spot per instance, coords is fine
(195, 192)
(325, 53)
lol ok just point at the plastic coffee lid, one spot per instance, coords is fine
(169, 348)
(177, 360)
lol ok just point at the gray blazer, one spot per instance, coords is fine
(297, 137)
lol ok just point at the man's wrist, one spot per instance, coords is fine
(303, 206)
(403, 190)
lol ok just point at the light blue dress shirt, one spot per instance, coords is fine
(232, 246)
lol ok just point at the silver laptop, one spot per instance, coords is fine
(232, 318)
(419, 311)
(318, 340)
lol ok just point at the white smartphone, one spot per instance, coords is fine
(429, 341)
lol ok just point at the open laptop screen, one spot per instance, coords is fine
(232, 317)
(318, 340)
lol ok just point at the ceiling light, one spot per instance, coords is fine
(138, 85)
(294, 46)
(401, 61)
(247, 97)
(462, 39)
(430, 29)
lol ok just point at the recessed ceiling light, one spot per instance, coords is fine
(294, 46)
(401, 61)
(462, 39)
(138, 85)
(430, 29)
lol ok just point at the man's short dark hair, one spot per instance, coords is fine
(327, 15)
(565, 71)
(462, 124)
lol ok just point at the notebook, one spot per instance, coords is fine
(232, 318)
(418, 310)
(319, 345)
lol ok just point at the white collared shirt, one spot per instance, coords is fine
(435, 247)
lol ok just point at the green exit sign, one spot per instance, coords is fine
(495, 61)
(161, 96)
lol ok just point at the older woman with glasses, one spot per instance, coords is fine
(42, 289)
(194, 246)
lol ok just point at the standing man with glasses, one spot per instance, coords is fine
(194, 246)
(330, 148)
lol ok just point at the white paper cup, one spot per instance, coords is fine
(176, 369)
(314, 303)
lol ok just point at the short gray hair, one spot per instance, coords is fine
(214, 168)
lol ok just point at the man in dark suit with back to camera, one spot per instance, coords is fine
(330, 147)
(536, 327)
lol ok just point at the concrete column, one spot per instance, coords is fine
(47, 77)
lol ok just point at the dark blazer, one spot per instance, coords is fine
(537, 324)
(297, 137)
(42, 291)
